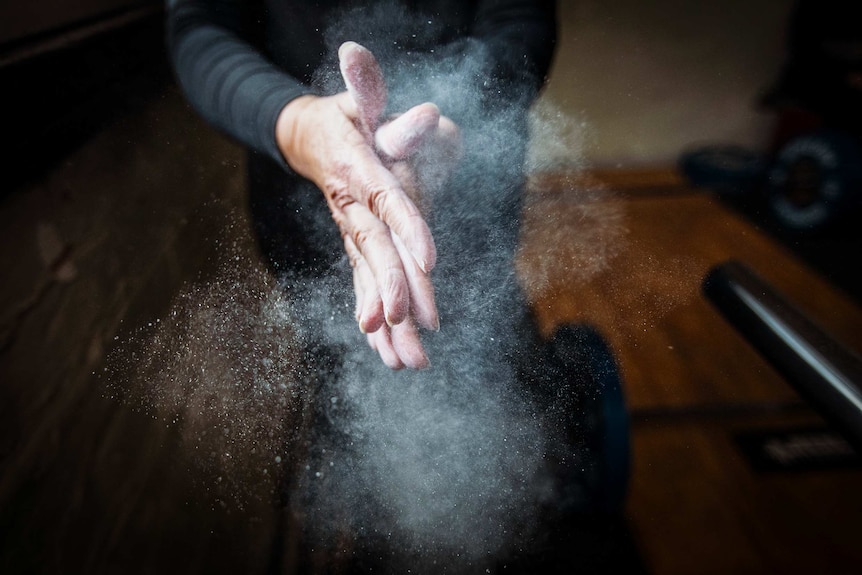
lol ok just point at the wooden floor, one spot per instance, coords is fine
(692, 382)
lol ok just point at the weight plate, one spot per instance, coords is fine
(724, 169)
(814, 180)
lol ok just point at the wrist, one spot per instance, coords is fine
(288, 132)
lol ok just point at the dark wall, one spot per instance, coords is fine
(61, 94)
(24, 21)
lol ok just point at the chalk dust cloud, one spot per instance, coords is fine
(269, 376)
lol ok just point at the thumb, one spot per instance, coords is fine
(364, 81)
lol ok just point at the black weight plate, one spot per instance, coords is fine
(815, 179)
(725, 169)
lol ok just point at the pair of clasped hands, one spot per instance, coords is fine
(376, 174)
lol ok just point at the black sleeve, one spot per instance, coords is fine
(519, 37)
(224, 77)
(505, 55)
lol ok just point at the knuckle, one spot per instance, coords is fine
(341, 221)
(365, 239)
(336, 185)
(338, 194)
(355, 260)
(377, 198)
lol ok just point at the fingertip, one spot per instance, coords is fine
(396, 303)
(379, 341)
(392, 318)
(423, 264)
(430, 115)
(404, 135)
(417, 360)
(380, 344)
(407, 345)
(422, 249)
(372, 323)
(426, 317)
(426, 258)
(346, 46)
(371, 318)
(411, 354)
(424, 363)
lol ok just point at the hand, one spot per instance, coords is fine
(330, 141)
(421, 165)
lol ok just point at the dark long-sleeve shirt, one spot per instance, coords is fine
(241, 61)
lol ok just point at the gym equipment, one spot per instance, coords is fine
(725, 169)
(586, 357)
(815, 179)
(810, 177)
(823, 371)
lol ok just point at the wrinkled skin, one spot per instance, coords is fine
(376, 174)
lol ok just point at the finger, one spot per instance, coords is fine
(360, 296)
(368, 183)
(447, 144)
(406, 343)
(437, 157)
(401, 137)
(364, 81)
(449, 135)
(382, 343)
(381, 191)
(369, 306)
(406, 174)
(422, 305)
(372, 240)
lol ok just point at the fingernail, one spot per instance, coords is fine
(345, 46)
(424, 264)
(424, 363)
(436, 324)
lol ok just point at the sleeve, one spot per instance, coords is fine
(226, 79)
(514, 40)
(519, 37)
